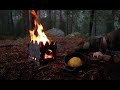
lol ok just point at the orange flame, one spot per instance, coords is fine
(37, 33)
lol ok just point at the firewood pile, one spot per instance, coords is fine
(14, 65)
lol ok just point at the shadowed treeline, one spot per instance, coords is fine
(17, 23)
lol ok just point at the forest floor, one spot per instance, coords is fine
(14, 63)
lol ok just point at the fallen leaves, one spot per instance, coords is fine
(15, 65)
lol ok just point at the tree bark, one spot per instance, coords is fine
(25, 15)
(67, 22)
(110, 22)
(55, 19)
(95, 22)
(50, 19)
(11, 22)
(113, 17)
(60, 19)
(72, 22)
(91, 22)
(4, 21)
(30, 19)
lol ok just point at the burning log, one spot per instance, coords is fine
(43, 53)
(48, 51)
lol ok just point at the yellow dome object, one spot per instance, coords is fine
(75, 62)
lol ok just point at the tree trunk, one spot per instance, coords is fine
(62, 22)
(72, 22)
(60, 19)
(113, 18)
(11, 21)
(67, 22)
(4, 22)
(50, 19)
(54, 18)
(95, 22)
(91, 21)
(30, 19)
(110, 22)
(25, 15)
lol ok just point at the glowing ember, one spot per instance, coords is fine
(37, 34)
(48, 56)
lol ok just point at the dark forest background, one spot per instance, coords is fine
(17, 23)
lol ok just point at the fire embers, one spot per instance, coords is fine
(43, 53)
(48, 51)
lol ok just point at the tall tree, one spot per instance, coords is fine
(4, 22)
(67, 22)
(25, 15)
(113, 17)
(110, 21)
(71, 22)
(55, 12)
(50, 19)
(60, 19)
(95, 22)
(11, 22)
(91, 21)
(30, 21)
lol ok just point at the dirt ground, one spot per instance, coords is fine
(15, 65)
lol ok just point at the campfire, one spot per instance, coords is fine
(40, 47)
